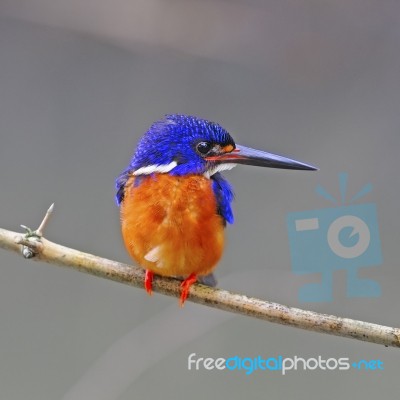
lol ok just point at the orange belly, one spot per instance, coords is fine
(170, 224)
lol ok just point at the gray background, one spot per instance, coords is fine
(82, 80)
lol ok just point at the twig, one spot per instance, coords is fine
(31, 242)
(44, 250)
(39, 231)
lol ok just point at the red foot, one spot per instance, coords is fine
(148, 280)
(185, 285)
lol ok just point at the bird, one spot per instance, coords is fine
(175, 203)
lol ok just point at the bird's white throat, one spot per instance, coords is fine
(218, 168)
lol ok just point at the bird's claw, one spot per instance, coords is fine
(148, 281)
(185, 285)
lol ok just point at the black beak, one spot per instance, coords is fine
(247, 156)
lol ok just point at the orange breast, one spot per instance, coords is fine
(170, 224)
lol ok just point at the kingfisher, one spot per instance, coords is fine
(174, 201)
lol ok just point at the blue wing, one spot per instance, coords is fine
(121, 181)
(224, 195)
(120, 185)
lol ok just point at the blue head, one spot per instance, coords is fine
(182, 144)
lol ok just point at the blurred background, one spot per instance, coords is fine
(81, 81)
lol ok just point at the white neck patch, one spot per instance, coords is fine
(218, 168)
(150, 169)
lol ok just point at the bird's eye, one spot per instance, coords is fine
(203, 147)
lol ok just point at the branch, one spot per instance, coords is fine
(33, 245)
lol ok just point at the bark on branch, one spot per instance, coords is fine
(33, 245)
